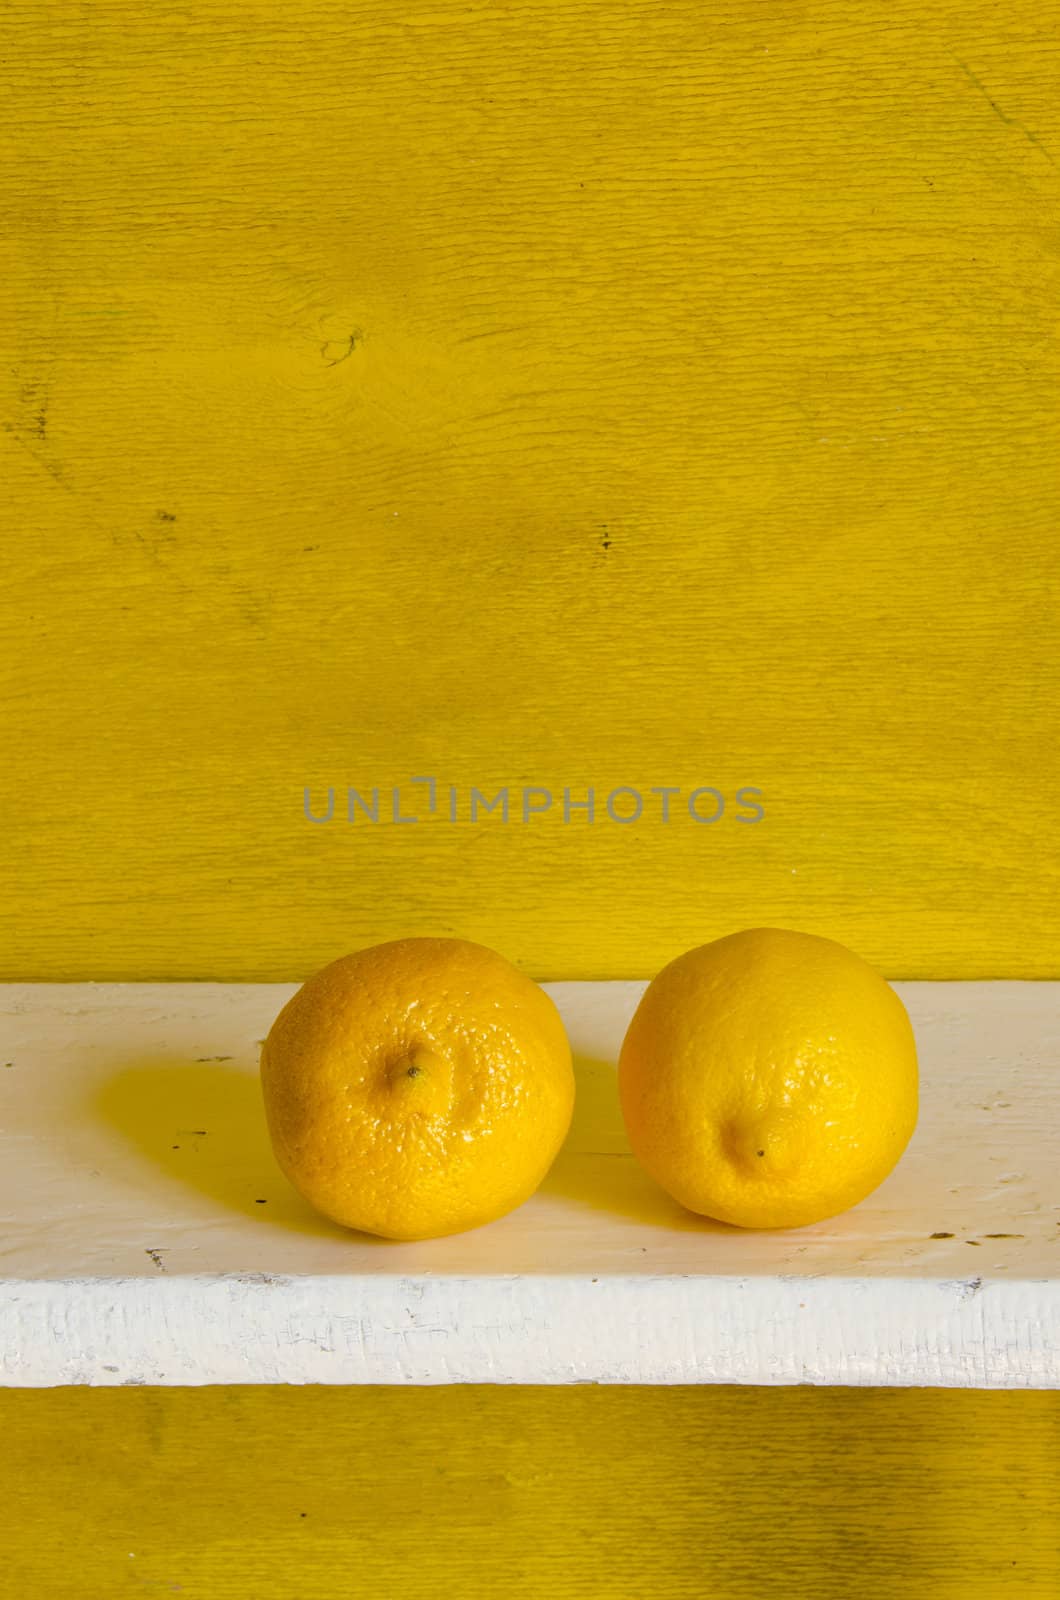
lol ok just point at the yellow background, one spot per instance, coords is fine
(564, 394)
(557, 394)
(577, 1494)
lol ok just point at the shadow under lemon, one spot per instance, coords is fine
(597, 1168)
(203, 1124)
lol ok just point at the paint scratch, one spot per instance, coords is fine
(328, 348)
(1010, 122)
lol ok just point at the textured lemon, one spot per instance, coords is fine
(417, 1088)
(769, 1079)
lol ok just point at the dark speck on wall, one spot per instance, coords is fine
(942, 1235)
(166, 516)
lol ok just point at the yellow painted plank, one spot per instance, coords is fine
(528, 394)
(584, 1494)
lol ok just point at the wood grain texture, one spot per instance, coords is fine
(531, 394)
(582, 1494)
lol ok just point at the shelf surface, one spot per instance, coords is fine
(147, 1236)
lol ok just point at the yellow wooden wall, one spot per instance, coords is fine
(554, 393)
(582, 1494)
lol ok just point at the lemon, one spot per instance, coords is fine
(417, 1088)
(769, 1079)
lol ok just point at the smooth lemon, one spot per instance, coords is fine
(769, 1079)
(417, 1088)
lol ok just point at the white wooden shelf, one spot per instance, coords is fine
(147, 1237)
